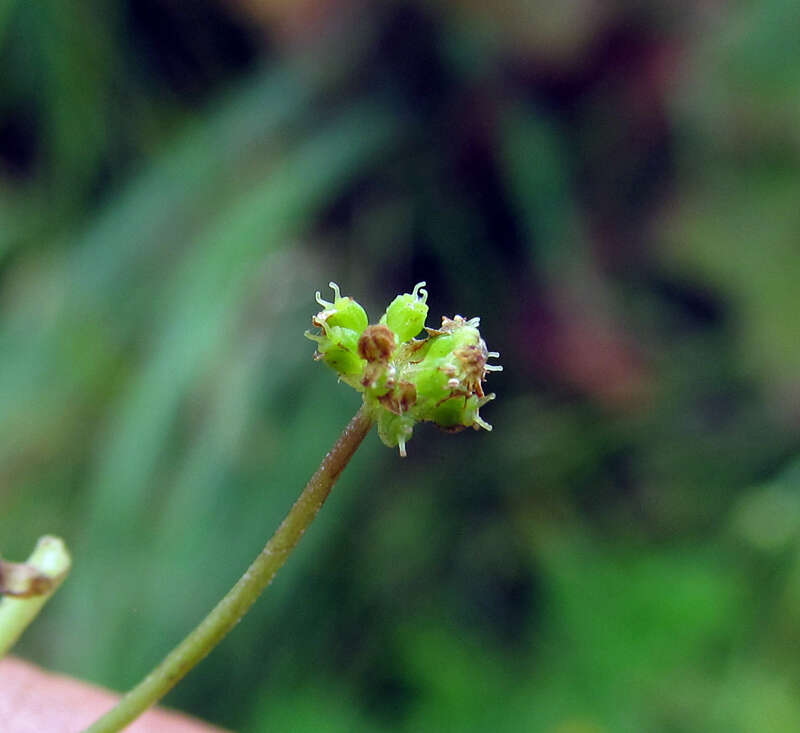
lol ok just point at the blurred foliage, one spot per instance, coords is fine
(613, 187)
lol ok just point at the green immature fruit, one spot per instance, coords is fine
(404, 380)
(406, 314)
(453, 360)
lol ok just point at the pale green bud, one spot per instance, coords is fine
(395, 430)
(342, 323)
(344, 311)
(406, 314)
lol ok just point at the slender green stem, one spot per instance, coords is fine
(46, 568)
(238, 600)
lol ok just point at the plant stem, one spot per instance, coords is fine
(51, 561)
(238, 600)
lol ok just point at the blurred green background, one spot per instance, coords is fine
(613, 187)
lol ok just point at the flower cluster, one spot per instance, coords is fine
(404, 379)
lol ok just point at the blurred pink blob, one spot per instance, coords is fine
(34, 701)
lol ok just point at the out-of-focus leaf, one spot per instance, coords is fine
(738, 232)
(100, 296)
(769, 517)
(538, 175)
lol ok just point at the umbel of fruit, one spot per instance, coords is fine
(404, 380)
